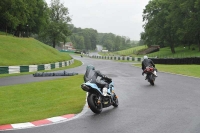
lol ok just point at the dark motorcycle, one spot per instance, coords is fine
(149, 71)
(95, 98)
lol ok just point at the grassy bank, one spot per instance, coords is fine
(39, 100)
(27, 51)
(127, 52)
(189, 70)
(180, 52)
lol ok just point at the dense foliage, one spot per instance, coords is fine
(88, 39)
(172, 23)
(23, 18)
(50, 25)
(58, 27)
(20, 17)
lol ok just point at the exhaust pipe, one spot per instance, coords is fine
(85, 87)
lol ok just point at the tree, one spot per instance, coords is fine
(14, 14)
(109, 45)
(159, 28)
(117, 43)
(172, 23)
(58, 22)
(38, 16)
(87, 41)
(80, 42)
(20, 16)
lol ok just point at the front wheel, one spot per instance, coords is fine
(115, 101)
(93, 103)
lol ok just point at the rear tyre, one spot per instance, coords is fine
(151, 82)
(92, 100)
(152, 78)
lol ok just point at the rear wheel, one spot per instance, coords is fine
(151, 79)
(93, 103)
(151, 82)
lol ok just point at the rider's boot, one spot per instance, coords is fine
(155, 73)
(145, 75)
(105, 90)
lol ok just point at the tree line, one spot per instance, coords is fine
(51, 25)
(24, 18)
(88, 38)
(172, 23)
(19, 17)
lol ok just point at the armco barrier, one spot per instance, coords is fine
(176, 61)
(189, 60)
(33, 68)
(4, 70)
(126, 58)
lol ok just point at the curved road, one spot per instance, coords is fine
(171, 106)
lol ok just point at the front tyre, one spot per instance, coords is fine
(92, 100)
(115, 101)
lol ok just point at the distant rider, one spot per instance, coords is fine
(148, 62)
(95, 76)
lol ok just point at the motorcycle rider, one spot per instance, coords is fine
(148, 62)
(94, 76)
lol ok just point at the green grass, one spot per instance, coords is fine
(189, 70)
(28, 51)
(131, 51)
(39, 100)
(181, 52)
(128, 52)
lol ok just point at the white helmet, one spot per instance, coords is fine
(145, 57)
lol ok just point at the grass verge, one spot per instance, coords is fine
(40, 100)
(189, 70)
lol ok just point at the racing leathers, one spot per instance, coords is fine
(95, 76)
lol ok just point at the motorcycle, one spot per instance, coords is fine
(95, 98)
(149, 71)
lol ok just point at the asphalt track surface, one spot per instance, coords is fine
(171, 106)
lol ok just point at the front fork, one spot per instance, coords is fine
(99, 100)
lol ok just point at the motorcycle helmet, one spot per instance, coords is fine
(145, 57)
(90, 67)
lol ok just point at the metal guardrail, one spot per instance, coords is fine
(189, 60)
(126, 58)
